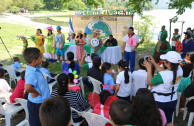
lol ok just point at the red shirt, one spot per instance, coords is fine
(18, 92)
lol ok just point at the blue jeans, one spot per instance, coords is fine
(130, 56)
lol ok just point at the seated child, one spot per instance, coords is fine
(72, 86)
(124, 81)
(4, 86)
(101, 103)
(87, 65)
(19, 89)
(136, 75)
(107, 77)
(16, 65)
(120, 112)
(70, 63)
(45, 70)
(55, 112)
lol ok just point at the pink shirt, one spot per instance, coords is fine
(74, 88)
(163, 117)
(18, 92)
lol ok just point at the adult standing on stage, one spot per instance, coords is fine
(80, 46)
(96, 35)
(130, 51)
(160, 33)
(188, 44)
(40, 41)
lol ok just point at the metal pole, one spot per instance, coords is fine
(170, 31)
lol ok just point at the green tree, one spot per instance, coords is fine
(180, 5)
(4, 4)
(76, 5)
(27, 4)
(38, 4)
(145, 27)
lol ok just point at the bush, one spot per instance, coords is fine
(38, 4)
(14, 9)
(145, 27)
(76, 5)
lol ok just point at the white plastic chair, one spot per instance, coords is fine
(72, 122)
(191, 115)
(96, 85)
(82, 86)
(8, 110)
(51, 84)
(178, 103)
(23, 103)
(12, 75)
(93, 119)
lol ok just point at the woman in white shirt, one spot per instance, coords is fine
(123, 81)
(166, 82)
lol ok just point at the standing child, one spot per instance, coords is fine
(40, 41)
(59, 44)
(136, 75)
(107, 77)
(35, 84)
(19, 89)
(80, 46)
(72, 86)
(50, 44)
(123, 82)
(16, 65)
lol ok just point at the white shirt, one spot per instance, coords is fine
(128, 48)
(4, 86)
(71, 40)
(125, 89)
(174, 42)
(139, 79)
(159, 35)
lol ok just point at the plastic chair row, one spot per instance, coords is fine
(191, 115)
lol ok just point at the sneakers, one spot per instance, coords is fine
(58, 61)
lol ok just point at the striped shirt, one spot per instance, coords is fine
(76, 101)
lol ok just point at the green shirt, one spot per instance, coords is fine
(85, 66)
(156, 80)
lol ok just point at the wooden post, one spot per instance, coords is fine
(170, 31)
(182, 30)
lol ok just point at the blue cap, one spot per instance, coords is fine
(59, 27)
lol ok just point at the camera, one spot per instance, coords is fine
(146, 58)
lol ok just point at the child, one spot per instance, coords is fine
(120, 112)
(80, 46)
(19, 89)
(45, 70)
(145, 111)
(55, 112)
(107, 77)
(87, 65)
(40, 41)
(123, 81)
(187, 67)
(136, 75)
(70, 63)
(71, 38)
(4, 86)
(50, 44)
(59, 44)
(16, 65)
(71, 84)
(76, 100)
(35, 84)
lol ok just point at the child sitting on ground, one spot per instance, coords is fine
(19, 89)
(107, 77)
(120, 112)
(16, 65)
(4, 86)
(124, 81)
(55, 112)
(70, 63)
(72, 82)
(45, 70)
(136, 75)
(35, 84)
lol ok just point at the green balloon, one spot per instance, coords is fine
(33, 38)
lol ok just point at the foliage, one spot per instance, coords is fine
(114, 5)
(27, 4)
(4, 4)
(38, 4)
(14, 9)
(180, 5)
(76, 5)
(145, 27)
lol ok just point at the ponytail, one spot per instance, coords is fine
(70, 57)
(124, 65)
(62, 81)
(174, 68)
(105, 66)
(72, 65)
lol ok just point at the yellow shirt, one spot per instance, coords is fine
(39, 41)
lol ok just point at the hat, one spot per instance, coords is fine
(163, 26)
(79, 31)
(58, 27)
(188, 32)
(97, 61)
(50, 28)
(172, 56)
(97, 31)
